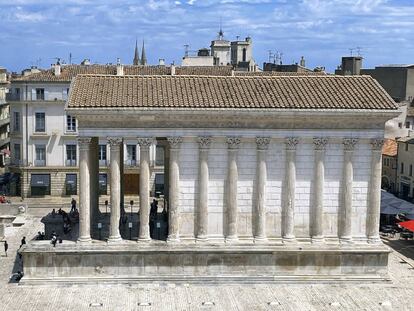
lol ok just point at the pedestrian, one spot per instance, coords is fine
(54, 239)
(72, 206)
(23, 242)
(6, 247)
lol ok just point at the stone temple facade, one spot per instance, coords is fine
(269, 178)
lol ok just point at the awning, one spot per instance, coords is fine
(407, 225)
(102, 179)
(392, 205)
(40, 180)
(71, 179)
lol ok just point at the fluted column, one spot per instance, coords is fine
(115, 145)
(317, 215)
(94, 181)
(262, 144)
(84, 144)
(232, 177)
(288, 208)
(345, 234)
(202, 215)
(174, 190)
(374, 200)
(144, 188)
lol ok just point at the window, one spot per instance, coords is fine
(400, 125)
(131, 155)
(244, 54)
(411, 170)
(40, 94)
(40, 155)
(17, 154)
(70, 155)
(159, 156)
(102, 155)
(402, 168)
(16, 121)
(40, 122)
(407, 125)
(71, 184)
(40, 184)
(70, 124)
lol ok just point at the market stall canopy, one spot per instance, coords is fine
(392, 205)
(407, 225)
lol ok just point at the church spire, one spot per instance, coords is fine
(136, 54)
(143, 55)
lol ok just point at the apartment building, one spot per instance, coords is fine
(4, 120)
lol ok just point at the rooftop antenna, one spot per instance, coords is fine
(270, 56)
(186, 49)
(70, 58)
(221, 33)
(359, 49)
(237, 38)
(351, 50)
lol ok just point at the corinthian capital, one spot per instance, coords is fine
(233, 142)
(349, 143)
(204, 142)
(145, 142)
(114, 141)
(320, 143)
(377, 143)
(174, 141)
(262, 143)
(291, 143)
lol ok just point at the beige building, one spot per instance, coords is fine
(389, 165)
(405, 179)
(4, 120)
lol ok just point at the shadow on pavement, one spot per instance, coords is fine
(404, 247)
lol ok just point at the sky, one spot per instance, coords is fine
(36, 32)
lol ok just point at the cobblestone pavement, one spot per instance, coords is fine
(395, 295)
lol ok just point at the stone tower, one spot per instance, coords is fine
(136, 54)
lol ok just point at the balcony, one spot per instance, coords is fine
(130, 162)
(4, 141)
(103, 163)
(4, 121)
(12, 97)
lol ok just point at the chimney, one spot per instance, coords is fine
(172, 69)
(302, 61)
(119, 68)
(57, 68)
(161, 62)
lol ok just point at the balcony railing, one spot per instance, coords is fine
(13, 97)
(130, 162)
(102, 163)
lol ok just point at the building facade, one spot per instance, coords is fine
(4, 120)
(405, 179)
(389, 166)
(262, 185)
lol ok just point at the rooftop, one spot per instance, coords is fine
(215, 92)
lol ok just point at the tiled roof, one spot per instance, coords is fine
(70, 71)
(278, 73)
(295, 92)
(390, 148)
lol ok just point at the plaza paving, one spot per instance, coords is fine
(394, 295)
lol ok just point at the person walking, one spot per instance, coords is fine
(23, 242)
(6, 247)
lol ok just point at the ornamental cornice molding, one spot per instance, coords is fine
(145, 142)
(262, 143)
(84, 141)
(377, 144)
(349, 143)
(233, 142)
(291, 143)
(204, 142)
(174, 141)
(320, 143)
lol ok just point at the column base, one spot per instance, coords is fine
(84, 239)
(346, 240)
(201, 239)
(318, 239)
(289, 239)
(232, 239)
(114, 239)
(374, 240)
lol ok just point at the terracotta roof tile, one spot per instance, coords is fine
(279, 92)
(390, 148)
